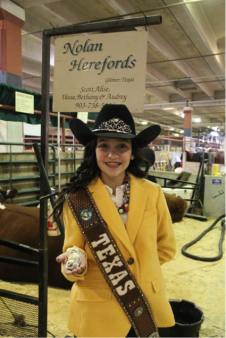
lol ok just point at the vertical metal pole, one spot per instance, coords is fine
(58, 151)
(53, 166)
(10, 166)
(43, 251)
(63, 134)
(47, 185)
(74, 156)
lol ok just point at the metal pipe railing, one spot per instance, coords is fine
(54, 176)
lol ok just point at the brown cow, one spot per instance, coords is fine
(21, 224)
(177, 207)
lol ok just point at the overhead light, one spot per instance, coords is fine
(139, 121)
(181, 131)
(175, 134)
(168, 108)
(196, 119)
(171, 128)
(181, 104)
(190, 1)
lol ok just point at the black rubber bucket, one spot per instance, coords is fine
(188, 318)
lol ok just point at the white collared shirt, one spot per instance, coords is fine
(118, 199)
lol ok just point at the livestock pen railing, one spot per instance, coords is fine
(20, 170)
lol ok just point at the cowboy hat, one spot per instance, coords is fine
(114, 120)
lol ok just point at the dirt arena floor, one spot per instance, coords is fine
(202, 283)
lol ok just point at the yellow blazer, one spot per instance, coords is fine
(148, 238)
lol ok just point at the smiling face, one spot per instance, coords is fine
(113, 157)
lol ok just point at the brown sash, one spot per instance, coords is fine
(112, 263)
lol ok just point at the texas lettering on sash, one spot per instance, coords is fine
(112, 263)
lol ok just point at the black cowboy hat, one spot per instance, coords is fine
(114, 120)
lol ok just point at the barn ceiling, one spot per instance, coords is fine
(185, 59)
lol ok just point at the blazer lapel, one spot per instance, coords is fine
(137, 206)
(109, 212)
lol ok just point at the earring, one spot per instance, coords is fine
(132, 157)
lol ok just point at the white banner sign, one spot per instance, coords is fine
(92, 70)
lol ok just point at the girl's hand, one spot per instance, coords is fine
(80, 269)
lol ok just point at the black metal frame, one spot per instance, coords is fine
(103, 26)
(43, 174)
(19, 297)
(19, 247)
(198, 190)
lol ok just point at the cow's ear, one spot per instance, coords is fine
(11, 193)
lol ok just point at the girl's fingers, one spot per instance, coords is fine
(61, 258)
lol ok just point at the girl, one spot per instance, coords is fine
(122, 227)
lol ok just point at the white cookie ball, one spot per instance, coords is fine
(71, 264)
(75, 257)
(72, 250)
